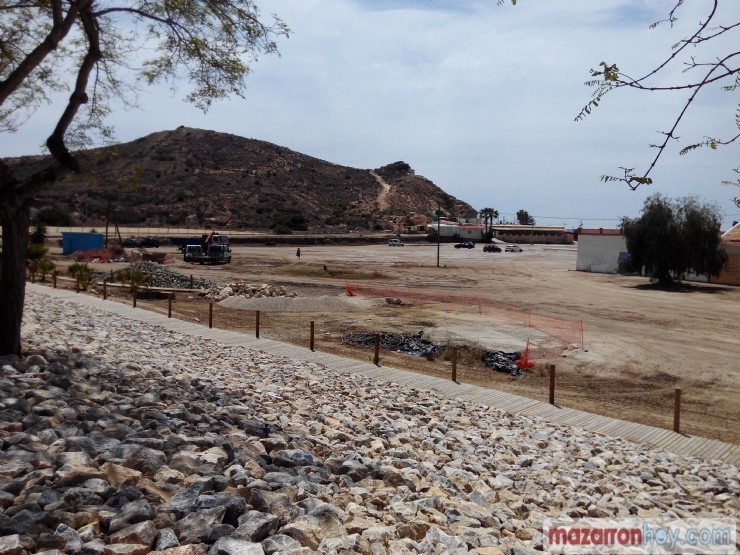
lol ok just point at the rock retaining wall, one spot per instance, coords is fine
(117, 437)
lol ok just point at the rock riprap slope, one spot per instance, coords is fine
(118, 437)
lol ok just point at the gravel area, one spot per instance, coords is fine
(163, 276)
(324, 303)
(120, 437)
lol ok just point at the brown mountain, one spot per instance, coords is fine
(193, 177)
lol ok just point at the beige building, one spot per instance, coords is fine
(540, 234)
(731, 241)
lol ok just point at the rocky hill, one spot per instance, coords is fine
(195, 177)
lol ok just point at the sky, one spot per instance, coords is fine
(479, 98)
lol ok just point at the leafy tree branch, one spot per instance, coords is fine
(609, 77)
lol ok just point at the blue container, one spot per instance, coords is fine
(73, 241)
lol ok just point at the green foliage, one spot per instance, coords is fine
(55, 216)
(36, 251)
(82, 273)
(43, 266)
(288, 223)
(281, 229)
(702, 67)
(134, 278)
(523, 217)
(39, 234)
(57, 46)
(674, 237)
(488, 215)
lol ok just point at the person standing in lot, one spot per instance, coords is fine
(298, 253)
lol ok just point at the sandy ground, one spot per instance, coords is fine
(640, 343)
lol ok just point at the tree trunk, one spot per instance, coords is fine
(15, 222)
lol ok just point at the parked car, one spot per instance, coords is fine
(149, 242)
(395, 243)
(131, 242)
(465, 245)
(513, 248)
(491, 248)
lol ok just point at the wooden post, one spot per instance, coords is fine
(552, 384)
(454, 364)
(583, 338)
(310, 343)
(105, 290)
(210, 315)
(191, 281)
(54, 278)
(677, 411)
(169, 305)
(257, 324)
(376, 356)
(135, 297)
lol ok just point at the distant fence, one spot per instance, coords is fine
(559, 332)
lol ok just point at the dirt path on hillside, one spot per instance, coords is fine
(640, 343)
(385, 188)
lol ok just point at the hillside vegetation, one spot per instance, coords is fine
(195, 177)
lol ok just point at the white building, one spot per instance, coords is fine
(600, 250)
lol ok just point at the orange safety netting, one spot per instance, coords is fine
(556, 333)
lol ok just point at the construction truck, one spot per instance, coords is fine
(212, 254)
(204, 240)
(214, 249)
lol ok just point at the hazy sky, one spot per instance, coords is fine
(477, 97)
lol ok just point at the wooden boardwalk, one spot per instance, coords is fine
(657, 438)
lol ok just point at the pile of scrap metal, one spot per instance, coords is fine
(414, 344)
(503, 362)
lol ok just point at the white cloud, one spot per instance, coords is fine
(479, 98)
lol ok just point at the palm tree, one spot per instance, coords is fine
(524, 218)
(488, 215)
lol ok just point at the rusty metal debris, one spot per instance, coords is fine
(503, 362)
(414, 344)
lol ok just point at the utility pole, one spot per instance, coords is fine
(439, 217)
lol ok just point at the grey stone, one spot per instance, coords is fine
(255, 526)
(131, 513)
(232, 546)
(72, 541)
(294, 457)
(198, 526)
(279, 543)
(166, 539)
(235, 506)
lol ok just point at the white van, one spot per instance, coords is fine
(512, 248)
(395, 243)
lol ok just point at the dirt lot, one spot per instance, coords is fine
(640, 343)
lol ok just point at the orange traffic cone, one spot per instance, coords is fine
(524, 361)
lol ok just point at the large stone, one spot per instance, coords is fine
(324, 522)
(199, 526)
(143, 533)
(279, 543)
(233, 546)
(12, 545)
(255, 526)
(131, 513)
